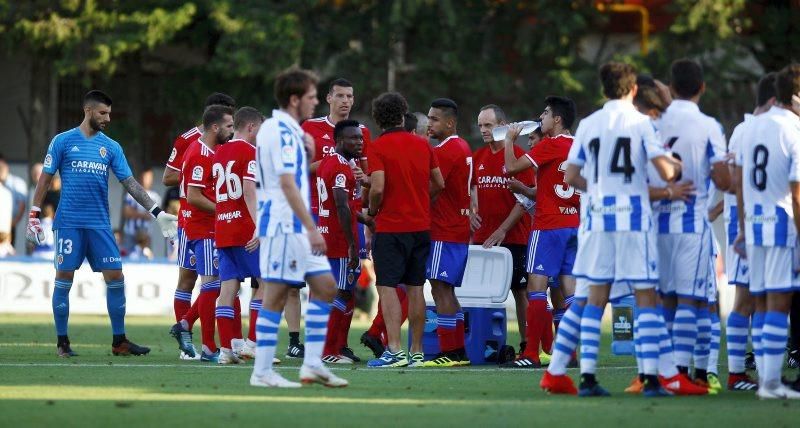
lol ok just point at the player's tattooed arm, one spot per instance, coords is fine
(137, 192)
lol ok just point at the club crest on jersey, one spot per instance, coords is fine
(103, 152)
(173, 154)
(60, 259)
(197, 173)
(340, 180)
(192, 260)
(48, 161)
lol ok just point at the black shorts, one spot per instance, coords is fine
(253, 283)
(400, 258)
(519, 275)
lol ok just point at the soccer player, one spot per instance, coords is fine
(616, 247)
(404, 175)
(234, 176)
(769, 218)
(737, 268)
(497, 218)
(199, 188)
(338, 192)
(83, 157)
(187, 276)
(292, 251)
(340, 100)
(684, 233)
(450, 235)
(554, 236)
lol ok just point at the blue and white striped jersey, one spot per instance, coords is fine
(730, 214)
(83, 164)
(280, 151)
(614, 146)
(699, 142)
(770, 153)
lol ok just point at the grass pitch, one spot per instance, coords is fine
(97, 389)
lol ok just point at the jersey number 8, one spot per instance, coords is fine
(759, 173)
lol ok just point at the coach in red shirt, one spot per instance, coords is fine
(404, 175)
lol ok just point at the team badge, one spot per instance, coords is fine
(275, 265)
(216, 263)
(192, 260)
(197, 173)
(60, 259)
(293, 265)
(340, 181)
(251, 167)
(173, 155)
(48, 161)
(103, 152)
(350, 277)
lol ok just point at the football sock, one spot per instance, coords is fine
(684, 334)
(61, 305)
(237, 318)
(460, 330)
(736, 335)
(316, 329)
(266, 340)
(192, 315)
(115, 303)
(535, 319)
(650, 325)
(637, 347)
(703, 344)
(209, 292)
(566, 340)
(225, 323)
(758, 323)
(794, 322)
(773, 345)
(255, 306)
(666, 359)
(547, 331)
(181, 303)
(669, 317)
(338, 307)
(347, 319)
(713, 356)
(446, 330)
(590, 338)
(294, 338)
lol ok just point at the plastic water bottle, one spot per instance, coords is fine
(528, 126)
(526, 203)
(623, 312)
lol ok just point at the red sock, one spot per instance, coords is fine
(460, 335)
(447, 339)
(332, 338)
(344, 326)
(180, 305)
(225, 328)
(547, 332)
(237, 318)
(193, 313)
(208, 302)
(251, 331)
(536, 319)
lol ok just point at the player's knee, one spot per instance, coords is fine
(112, 275)
(64, 275)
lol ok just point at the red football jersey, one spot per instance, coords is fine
(175, 161)
(495, 201)
(321, 129)
(450, 210)
(557, 203)
(234, 162)
(407, 161)
(335, 173)
(197, 163)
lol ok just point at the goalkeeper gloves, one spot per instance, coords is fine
(168, 223)
(34, 233)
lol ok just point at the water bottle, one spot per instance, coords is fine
(622, 316)
(526, 203)
(528, 126)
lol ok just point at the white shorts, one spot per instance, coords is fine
(619, 258)
(736, 268)
(684, 262)
(772, 269)
(288, 259)
(712, 280)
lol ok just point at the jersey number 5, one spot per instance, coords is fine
(232, 182)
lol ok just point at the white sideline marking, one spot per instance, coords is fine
(278, 367)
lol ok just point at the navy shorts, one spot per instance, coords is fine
(447, 262)
(345, 278)
(205, 256)
(552, 252)
(186, 259)
(237, 263)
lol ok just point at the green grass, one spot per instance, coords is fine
(97, 389)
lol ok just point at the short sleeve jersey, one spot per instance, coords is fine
(407, 161)
(280, 151)
(83, 164)
(196, 172)
(557, 203)
(321, 129)
(614, 145)
(730, 213)
(495, 200)
(698, 141)
(450, 210)
(175, 160)
(234, 164)
(770, 153)
(335, 173)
